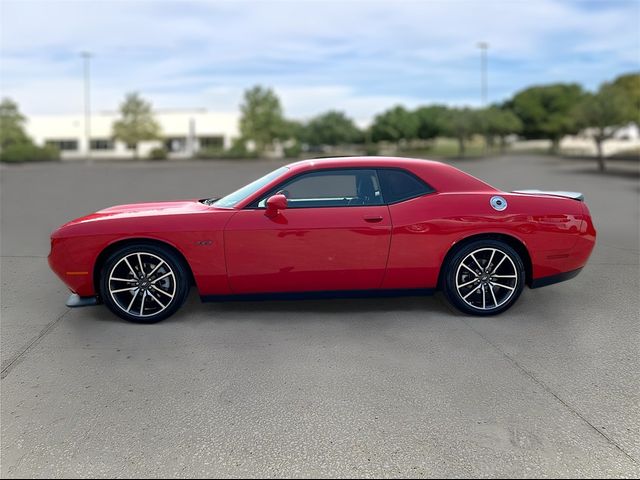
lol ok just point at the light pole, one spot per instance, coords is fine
(483, 46)
(87, 104)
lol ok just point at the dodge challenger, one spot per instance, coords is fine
(328, 227)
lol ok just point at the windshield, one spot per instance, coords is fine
(234, 198)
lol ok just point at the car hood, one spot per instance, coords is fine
(143, 213)
(155, 208)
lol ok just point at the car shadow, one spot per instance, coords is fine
(267, 310)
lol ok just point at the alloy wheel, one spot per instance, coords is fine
(486, 278)
(142, 284)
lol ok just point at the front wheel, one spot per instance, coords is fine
(485, 277)
(144, 283)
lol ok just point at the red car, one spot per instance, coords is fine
(368, 225)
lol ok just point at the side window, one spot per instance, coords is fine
(331, 188)
(398, 185)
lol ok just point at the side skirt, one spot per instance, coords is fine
(253, 297)
(551, 279)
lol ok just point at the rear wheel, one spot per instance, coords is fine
(144, 283)
(484, 277)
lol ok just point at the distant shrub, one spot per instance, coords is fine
(158, 153)
(371, 149)
(238, 150)
(211, 153)
(28, 152)
(293, 151)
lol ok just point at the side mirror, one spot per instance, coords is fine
(275, 203)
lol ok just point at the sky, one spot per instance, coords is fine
(360, 57)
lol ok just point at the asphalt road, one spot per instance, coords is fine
(365, 388)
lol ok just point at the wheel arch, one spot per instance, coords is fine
(510, 240)
(115, 246)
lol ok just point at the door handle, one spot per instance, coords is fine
(373, 219)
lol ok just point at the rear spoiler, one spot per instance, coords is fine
(572, 195)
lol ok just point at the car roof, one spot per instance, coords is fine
(355, 161)
(441, 176)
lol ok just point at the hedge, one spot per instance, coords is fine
(28, 152)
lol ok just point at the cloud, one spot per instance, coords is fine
(358, 56)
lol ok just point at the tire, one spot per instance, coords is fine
(484, 277)
(157, 295)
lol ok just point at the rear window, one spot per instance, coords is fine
(399, 185)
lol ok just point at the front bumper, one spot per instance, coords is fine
(73, 265)
(75, 301)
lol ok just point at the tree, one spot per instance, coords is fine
(137, 123)
(332, 128)
(431, 121)
(11, 125)
(295, 130)
(15, 144)
(261, 118)
(394, 125)
(629, 84)
(461, 124)
(604, 112)
(498, 122)
(546, 111)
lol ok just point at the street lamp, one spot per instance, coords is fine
(87, 104)
(483, 46)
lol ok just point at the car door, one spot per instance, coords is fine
(333, 235)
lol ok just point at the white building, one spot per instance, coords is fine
(184, 132)
(624, 140)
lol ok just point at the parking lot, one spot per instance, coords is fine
(318, 388)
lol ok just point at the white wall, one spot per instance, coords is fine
(173, 124)
(624, 139)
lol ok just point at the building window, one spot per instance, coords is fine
(175, 144)
(211, 142)
(101, 144)
(64, 145)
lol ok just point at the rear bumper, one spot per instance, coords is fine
(553, 266)
(551, 279)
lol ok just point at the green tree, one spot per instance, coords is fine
(11, 125)
(498, 122)
(293, 136)
(294, 129)
(137, 123)
(461, 124)
(332, 128)
(394, 125)
(547, 111)
(431, 121)
(15, 144)
(629, 84)
(604, 112)
(261, 118)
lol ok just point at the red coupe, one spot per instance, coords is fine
(369, 225)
